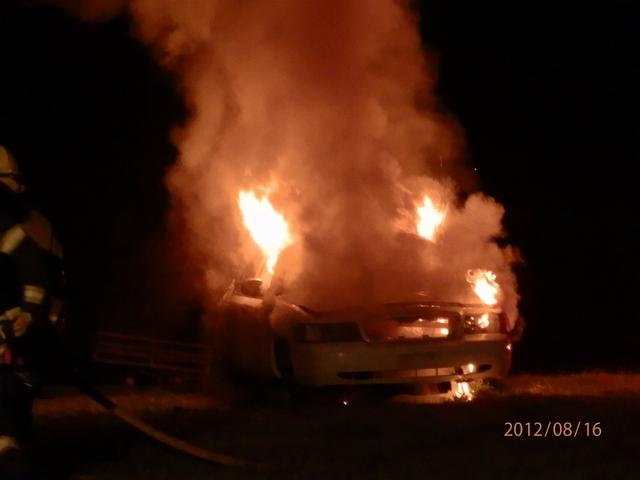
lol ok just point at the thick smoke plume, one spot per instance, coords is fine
(329, 107)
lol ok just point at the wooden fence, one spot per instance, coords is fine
(151, 353)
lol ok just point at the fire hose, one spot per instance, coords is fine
(6, 335)
(162, 437)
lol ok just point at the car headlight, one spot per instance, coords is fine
(327, 332)
(482, 323)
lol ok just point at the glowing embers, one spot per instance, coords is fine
(429, 219)
(484, 285)
(267, 227)
(462, 391)
(481, 323)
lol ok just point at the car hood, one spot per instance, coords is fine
(407, 308)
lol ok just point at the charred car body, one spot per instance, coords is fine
(417, 341)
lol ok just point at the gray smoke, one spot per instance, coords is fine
(330, 104)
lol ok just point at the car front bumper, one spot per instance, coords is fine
(473, 358)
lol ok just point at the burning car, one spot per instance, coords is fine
(270, 333)
(418, 341)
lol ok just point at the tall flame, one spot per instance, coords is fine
(484, 285)
(267, 227)
(429, 219)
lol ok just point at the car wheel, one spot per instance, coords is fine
(282, 358)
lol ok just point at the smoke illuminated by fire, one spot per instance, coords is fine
(484, 285)
(268, 228)
(335, 101)
(429, 219)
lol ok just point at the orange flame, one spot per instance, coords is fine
(484, 285)
(429, 219)
(462, 391)
(267, 227)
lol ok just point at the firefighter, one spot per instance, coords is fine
(28, 251)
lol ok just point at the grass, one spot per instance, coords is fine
(371, 438)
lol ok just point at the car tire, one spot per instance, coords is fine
(282, 358)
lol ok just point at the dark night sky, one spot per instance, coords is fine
(546, 91)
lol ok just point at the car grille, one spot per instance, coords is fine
(427, 326)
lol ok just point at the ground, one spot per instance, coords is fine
(371, 437)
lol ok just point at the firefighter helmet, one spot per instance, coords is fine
(9, 171)
(8, 164)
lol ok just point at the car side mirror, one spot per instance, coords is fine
(252, 287)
